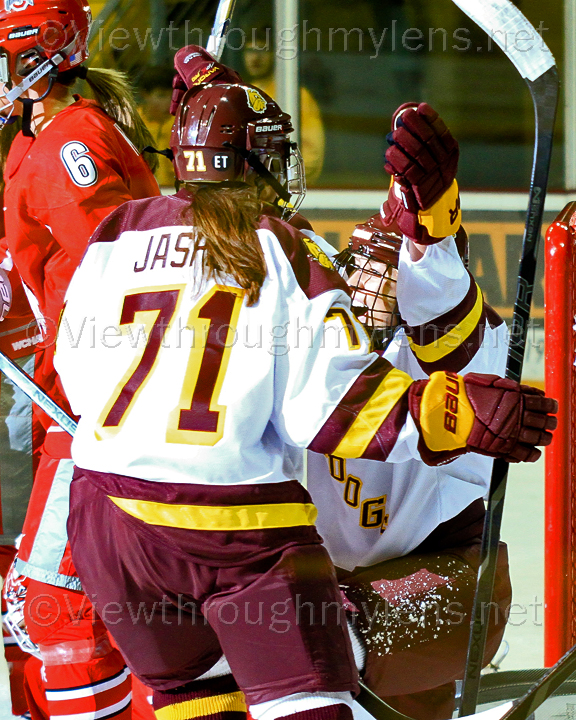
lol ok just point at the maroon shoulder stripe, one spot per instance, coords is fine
(431, 332)
(145, 214)
(383, 442)
(461, 355)
(313, 278)
(344, 414)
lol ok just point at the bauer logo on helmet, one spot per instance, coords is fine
(10, 5)
(23, 32)
(255, 100)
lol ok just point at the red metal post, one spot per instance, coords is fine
(560, 500)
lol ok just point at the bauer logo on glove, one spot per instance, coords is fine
(485, 414)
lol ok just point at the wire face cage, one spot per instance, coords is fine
(371, 269)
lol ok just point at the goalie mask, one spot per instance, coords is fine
(370, 263)
(38, 38)
(237, 133)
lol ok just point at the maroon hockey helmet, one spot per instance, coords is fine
(234, 132)
(370, 263)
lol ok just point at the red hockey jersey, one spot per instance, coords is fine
(59, 187)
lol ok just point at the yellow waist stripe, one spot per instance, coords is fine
(200, 707)
(373, 414)
(207, 517)
(446, 344)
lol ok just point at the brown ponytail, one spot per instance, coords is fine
(113, 92)
(226, 217)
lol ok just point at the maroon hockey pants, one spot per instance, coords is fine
(414, 613)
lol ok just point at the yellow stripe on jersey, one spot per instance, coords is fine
(201, 707)
(373, 414)
(446, 415)
(446, 344)
(208, 517)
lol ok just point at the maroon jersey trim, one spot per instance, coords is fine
(345, 413)
(312, 277)
(138, 215)
(383, 442)
(433, 332)
(440, 326)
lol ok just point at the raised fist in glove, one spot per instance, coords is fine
(423, 201)
(195, 66)
(485, 414)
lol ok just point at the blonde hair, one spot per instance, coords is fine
(225, 216)
(113, 92)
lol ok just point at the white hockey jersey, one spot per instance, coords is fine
(179, 381)
(368, 511)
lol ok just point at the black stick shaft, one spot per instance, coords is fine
(379, 709)
(544, 91)
(541, 691)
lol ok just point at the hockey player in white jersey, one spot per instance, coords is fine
(185, 495)
(405, 537)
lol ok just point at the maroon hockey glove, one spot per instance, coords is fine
(485, 414)
(423, 159)
(195, 66)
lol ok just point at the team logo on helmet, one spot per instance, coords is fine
(317, 253)
(255, 100)
(10, 5)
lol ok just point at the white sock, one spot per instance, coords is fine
(217, 670)
(358, 646)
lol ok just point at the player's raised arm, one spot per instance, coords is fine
(423, 201)
(446, 322)
(335, 396)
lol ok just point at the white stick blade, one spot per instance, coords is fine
(508, 28)
(215, 45)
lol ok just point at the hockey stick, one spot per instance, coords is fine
(520, 709)
(502, 21)
(217, 39)
(32, 390)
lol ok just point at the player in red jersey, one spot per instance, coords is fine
(73, 162)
